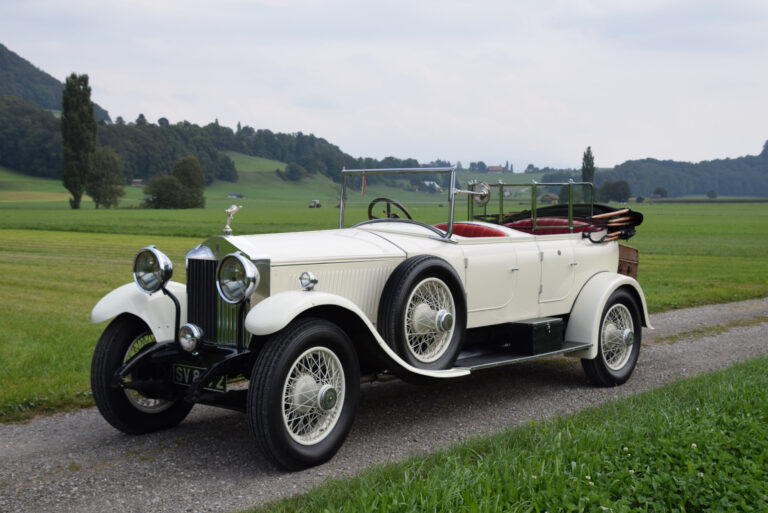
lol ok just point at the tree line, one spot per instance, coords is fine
(30, 143)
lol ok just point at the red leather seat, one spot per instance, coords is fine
(548, 225)
(472, 230)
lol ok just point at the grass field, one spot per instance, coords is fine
(55, 263)
(695, 445)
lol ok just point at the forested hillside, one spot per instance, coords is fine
(30, 143)
(19, 78)
(743, 176)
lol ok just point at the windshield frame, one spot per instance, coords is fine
(406, 171)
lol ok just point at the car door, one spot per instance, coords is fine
(501, 280)
(557, 267)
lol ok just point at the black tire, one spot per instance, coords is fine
(412, 326)
(128, 410)
(286, 417)
(618, 341)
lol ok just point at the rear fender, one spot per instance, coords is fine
(156, 310)
(584, 321)
(276, 312)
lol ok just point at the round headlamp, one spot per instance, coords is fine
(236, 278)
(151, 269)
(190, 336)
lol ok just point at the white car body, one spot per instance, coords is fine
(497, 278)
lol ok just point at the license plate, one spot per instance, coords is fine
(187, 375)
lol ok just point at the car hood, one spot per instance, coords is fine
(327, 246)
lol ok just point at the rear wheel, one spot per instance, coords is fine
(126, 409)
(619, 341)
(303, 394)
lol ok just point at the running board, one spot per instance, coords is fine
(502, 356)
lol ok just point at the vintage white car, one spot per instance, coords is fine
(285, 326)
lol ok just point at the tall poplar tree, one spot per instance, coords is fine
(588, 166)
(78, 132)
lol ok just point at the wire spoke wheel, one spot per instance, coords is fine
(429, 315)
(136, 398)
(618, 341)
(129, 409)
(313, 395)
(617, 336)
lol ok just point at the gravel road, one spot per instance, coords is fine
(77, 462)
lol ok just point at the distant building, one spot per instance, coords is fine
(235, 195)
(432, 186)
(549, 199)
(496, 169)
(137, 182)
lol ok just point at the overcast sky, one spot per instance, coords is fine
(524, 81)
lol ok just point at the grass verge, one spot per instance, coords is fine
(695, 445)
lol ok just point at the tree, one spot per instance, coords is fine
(712, 194)
(78, 132)
(588, 166)
(661, 192)
(106, 178)
(190, 174)
(295, 172)
(614, 191)
(165, 191)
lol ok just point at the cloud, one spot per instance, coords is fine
(490, 80)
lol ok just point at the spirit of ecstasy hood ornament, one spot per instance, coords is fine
(230, 214)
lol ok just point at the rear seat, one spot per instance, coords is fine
(472, 230)
(548, 226)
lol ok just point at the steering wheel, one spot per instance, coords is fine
(390, 203)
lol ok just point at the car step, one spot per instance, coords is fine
(502, 356)
(516, 342)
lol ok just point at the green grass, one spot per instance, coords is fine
(695, 445)
(50, 282)
(702, 254)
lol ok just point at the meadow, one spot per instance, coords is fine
(694, 445)
(56, 263)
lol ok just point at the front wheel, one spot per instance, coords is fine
(619, 341)
(303, 394)
(126, 409)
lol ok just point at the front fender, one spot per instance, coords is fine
(156, 310)
(276, 312)
(584, 321)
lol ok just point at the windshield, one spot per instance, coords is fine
(420, 194)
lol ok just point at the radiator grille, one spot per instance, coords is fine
(202, 297)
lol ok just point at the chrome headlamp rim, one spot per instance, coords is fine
(247, 284)
(162, 273)
(190, 337)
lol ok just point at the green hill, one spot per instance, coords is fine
(20, 78)
(742, 176)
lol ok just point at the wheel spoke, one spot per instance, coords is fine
(136, 398)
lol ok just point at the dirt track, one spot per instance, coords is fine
(77, 462)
